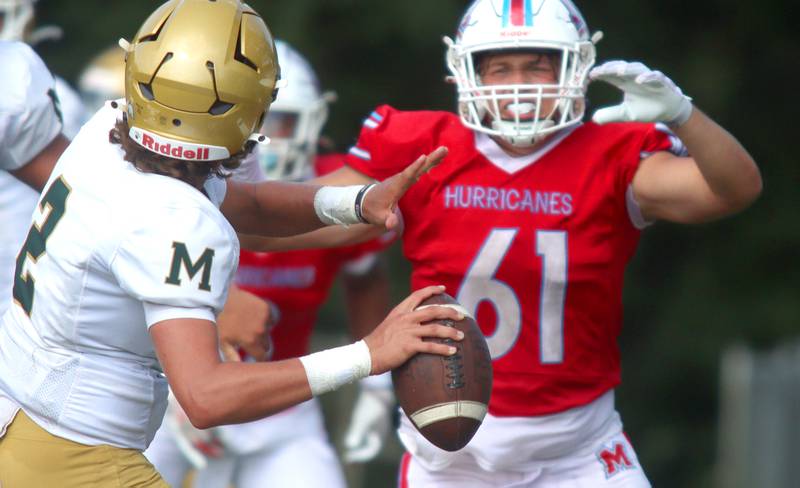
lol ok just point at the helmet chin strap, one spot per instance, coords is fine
(509, 131)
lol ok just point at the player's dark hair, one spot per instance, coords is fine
(190, 172)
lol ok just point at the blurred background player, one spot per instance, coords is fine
(18, 197)
(30, 144)
(18, 23)
(290, 448)
(530, 222)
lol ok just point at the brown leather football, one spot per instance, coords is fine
(446, 398)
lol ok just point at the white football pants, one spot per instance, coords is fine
(612, 465)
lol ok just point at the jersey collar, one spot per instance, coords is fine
(510, 164)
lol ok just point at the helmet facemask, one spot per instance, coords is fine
(295, 120)
(516, 112)
(294, 133)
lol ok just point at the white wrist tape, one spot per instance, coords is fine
(330, 369)
(337, 204)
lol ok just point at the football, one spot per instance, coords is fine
(446, 398)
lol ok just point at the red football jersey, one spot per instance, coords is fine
(298, 282)
(534, 247)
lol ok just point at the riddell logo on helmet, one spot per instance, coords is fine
(515, 33)
(176, 151)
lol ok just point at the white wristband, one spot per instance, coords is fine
(330, 369)
(337, 204)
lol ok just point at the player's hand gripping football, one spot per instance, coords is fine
(380, 202)
(649, 95)
(400, 335)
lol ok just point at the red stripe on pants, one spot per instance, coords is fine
(402, 481)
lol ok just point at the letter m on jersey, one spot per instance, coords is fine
(615, 459)
(182, 260)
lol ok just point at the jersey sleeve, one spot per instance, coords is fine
(390, 140)
(653, 138)
(29, 113)
(328, 163)
(180, 266)
(650, 139)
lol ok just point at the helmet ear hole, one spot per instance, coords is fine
(239, 55)
(147, 91)
(176, 122)
(220, 107)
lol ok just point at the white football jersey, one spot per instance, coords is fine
(112, 251)
(29, 121)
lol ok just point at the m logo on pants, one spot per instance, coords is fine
(614, 459)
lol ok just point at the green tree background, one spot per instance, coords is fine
(690, 290)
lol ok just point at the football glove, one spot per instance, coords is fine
(369, 424)
(196, 445)
(649, 95)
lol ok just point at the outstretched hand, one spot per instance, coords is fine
(650, 96)
(380, 202)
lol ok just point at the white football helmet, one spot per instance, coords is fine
(505, 26)
(294, 121)
(17, 21)
(103, 78)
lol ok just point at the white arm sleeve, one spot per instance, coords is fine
(180, 266)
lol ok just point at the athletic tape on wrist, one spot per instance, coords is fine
(330, 369)
(337, 204)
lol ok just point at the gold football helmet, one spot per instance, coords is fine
(199, 78)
